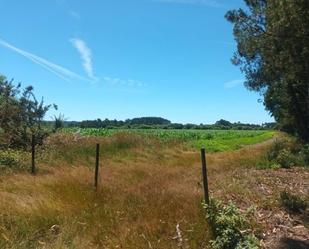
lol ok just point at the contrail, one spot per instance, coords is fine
(60, 71)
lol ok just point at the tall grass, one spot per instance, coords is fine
(144, 194)
(149, 193)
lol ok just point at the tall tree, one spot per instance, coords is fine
(273, 51)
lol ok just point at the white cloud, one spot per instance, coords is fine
(86, 56)
(123, 82)
(233, 83)
(209, 3)
(60, 71)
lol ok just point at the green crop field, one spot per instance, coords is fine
(212, 140)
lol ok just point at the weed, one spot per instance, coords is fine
(285, 153)
(292, 202)
(231, 228)
(12, 159)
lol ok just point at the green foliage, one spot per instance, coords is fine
(231, 227)
(292, 202)
(213, 140)
(12, 159)
(98, 123)
(273, 50)
(286, 159)
(285, 153)
(223, 122)
(161, 123)
(59, 121)
(21, 114)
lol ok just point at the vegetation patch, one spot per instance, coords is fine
(293, 203)
(285, 153)
(12, 160)
(231, 227)
(213, 140)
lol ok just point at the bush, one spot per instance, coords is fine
(276, 148)
(21, 115)
(12, 159)
(286, 159)
(304, 155)
(286, 154)
(292, 202)
(230, 226)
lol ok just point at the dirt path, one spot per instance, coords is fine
(247, 186)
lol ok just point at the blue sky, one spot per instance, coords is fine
(128, 58)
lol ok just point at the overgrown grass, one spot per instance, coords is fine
(292, 202)
(13, 160)
(142, 197)
(285, 152)
(149, 194)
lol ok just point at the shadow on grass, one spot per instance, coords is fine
(288, 243)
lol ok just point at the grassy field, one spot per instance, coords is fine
(149, 196)
(213, 140)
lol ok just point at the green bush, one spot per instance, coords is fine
(276, 148)
(12, 159)
(286, 153)
(292, 202)
(286, 159)
(231, 227)
(304, 155)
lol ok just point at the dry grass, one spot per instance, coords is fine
(142, 198)
(149, 195)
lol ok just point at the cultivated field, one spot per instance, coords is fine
(150, 189)
(213, 140)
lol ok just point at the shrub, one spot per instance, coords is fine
(286, 159)
(286, 154)
(292, 202)
(230, 227)
(276, 148)
(304, 155)
(21, 115)
(12, 159)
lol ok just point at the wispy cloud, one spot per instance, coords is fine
(233, 83)
(58, 70)
(86, 56)
(123, 82)
(209, 3)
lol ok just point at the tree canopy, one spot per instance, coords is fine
(21, 114)
(273, 52)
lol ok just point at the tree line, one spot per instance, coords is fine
(161, 123)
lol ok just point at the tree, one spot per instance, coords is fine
(21, 114)
(10, 118)
(223, 122)
(273, 52)
(59, 121)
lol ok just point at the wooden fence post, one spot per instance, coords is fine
(33, 154)
(204, 171)
(96, 173)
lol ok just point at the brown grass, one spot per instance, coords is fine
(149, 195)
(141, 199)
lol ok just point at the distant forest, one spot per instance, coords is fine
(161, 123)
